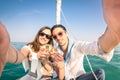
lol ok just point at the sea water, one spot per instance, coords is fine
(112, 68)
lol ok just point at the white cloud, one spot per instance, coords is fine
(38, 12)
(33, 12)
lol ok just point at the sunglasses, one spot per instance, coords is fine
(60, 34)
(46, 35)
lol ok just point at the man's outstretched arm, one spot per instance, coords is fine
(111, 37)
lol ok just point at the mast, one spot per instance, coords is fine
(58, 11)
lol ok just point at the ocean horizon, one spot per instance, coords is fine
(112, 68)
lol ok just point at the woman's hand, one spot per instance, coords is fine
(4, 45)
(43, 55)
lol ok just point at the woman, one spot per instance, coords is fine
(39, 68)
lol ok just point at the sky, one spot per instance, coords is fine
(23, 18)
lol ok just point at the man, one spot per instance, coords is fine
(73, 54)
(111, 10)
(103, 47)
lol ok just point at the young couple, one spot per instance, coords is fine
(73, 52)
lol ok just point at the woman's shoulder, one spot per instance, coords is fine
(27, 47)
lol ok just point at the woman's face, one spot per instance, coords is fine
(44, 36)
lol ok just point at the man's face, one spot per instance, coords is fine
(60, 36)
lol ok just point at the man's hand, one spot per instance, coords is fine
(111, 9)
(111, 37)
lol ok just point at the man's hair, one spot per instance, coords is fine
(58, 26)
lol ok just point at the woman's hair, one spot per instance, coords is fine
(58, 26)
(36, 44)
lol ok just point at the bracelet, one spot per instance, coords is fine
(0, 75)
(16, 57)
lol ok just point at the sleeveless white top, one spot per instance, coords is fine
(35, 63)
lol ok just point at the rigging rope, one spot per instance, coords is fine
(75, 38)
(91, 67)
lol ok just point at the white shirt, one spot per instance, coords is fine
(35, 64)
(74, 67)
